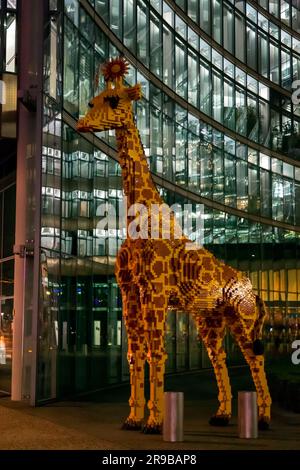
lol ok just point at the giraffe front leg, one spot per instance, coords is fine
(137, 398)
(136, 355)
(212, 331)
(223, 414)
(264, 400)
(156, 403)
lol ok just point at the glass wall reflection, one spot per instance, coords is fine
(82, 339)
(82, 324)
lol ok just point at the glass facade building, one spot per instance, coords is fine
(219, 128)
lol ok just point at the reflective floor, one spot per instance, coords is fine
(95, 421)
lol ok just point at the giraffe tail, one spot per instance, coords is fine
(258, 347)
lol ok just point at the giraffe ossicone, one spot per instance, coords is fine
(156, 274)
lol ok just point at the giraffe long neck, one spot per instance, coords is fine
(137, 180)
(138, 185)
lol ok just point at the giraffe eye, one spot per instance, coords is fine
(90, 105)
(113, 101)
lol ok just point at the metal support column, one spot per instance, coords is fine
(28, 200)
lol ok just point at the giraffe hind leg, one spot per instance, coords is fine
(155, 308)
(264, 401)
(245, 318)
(256, 364)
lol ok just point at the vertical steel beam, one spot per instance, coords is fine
(32, 14)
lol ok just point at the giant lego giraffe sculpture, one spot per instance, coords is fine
(153, 272)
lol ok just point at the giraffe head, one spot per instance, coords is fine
(111, 109)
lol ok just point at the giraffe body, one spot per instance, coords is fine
(155, 273)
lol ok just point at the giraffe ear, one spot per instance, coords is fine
(134, 93)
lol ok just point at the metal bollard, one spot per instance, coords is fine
(173, 420)
(247, 415)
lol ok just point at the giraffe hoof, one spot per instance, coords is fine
(152, 429)
(131, 425)
(219, 420)
(263, 424)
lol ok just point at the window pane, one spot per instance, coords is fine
(168, 65)
(129, 25)
(71, 77)
(180, 69)
(205, 89)
(229, 107)
(193, 78)
(263, 55)
(10, 43)
(204, 15)
(228, 29)
(274, 63)
(216, 20)
(239, 38)
(251, 47)
(217, 98)
(116, 17)
(155, 47)
(142, 36)
(102, 8)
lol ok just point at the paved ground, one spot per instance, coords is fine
(94, 422)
